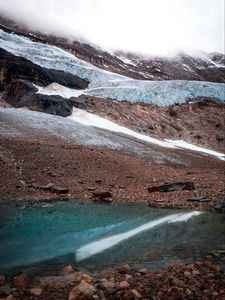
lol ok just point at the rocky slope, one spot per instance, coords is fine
(200, 280)
(40, 152)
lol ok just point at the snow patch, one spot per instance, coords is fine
(60, 90)
(89, 119)
(184, 145)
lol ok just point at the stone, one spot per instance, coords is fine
(67, 269)
(101, 194)
(56, 282)
(124, 285)
(84, 291)
(106, 284)
(10, 297)
(123, 269)
(128, 276)
(188, 293)
(143, 271)
(21, 280)
(136, 294)
(98, 180)
(170, 187)
(128, 296)
(60, 190)
(2, 280)
(36, 291)
(83, 277)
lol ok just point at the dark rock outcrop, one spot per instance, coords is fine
(22, 93)
(170, 187)
(14, 67)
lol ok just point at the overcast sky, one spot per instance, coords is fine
(158, 27)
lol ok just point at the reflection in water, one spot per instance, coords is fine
(103, 235)
(106, 243)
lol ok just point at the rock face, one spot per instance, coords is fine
(13, 67)
(22, 93)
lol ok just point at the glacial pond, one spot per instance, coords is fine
(44, 237)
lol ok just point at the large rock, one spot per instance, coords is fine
(22, 280)
(2, 280)
(14, 67)
(170, 187)
(22, 93)
(84, 291)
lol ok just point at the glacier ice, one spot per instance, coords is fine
(109, 85)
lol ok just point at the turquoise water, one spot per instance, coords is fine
(47, 236)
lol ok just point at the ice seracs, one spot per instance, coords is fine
(109, 85)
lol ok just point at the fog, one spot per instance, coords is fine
(155, 27)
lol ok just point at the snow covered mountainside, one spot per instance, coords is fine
(109, 85)
(182, 66)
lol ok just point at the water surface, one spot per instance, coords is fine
(93, 236)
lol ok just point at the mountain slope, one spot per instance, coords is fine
(109, 85)
(201, 67)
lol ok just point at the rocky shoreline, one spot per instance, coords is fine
(198, 280)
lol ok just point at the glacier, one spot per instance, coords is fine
(105, 84)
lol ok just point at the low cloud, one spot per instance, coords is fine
(155, 27)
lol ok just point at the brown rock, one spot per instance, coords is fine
(83, 277)
(67, 269)
(143, 271)
(170, 187)
(2, 280)
(188, 293)
(21, 280)
(129, 296)
(187, 274)
(107, 284)
(101, 194)
(56, 282)
(128, 276)
(60, 190)
(124, 285)
(136, 293)
(10, 297)
(84, 291)
(36, 291)
(123, 269)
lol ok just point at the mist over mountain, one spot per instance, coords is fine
(150, 27)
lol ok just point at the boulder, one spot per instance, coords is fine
(124, 285)
(67, 269)
(170, 187)
(136, 294)
(84, 291)
(36, 291)
(60, 190)
(21, 280)
(2, 280)
(106, 284)
(101, 194)
(143, 271)
(56, 282)
(22, 93)
(123, 269)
